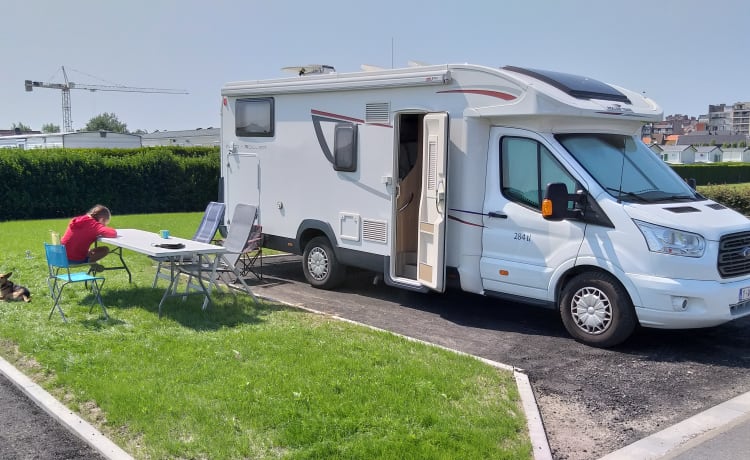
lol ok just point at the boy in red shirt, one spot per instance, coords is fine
(82, 231)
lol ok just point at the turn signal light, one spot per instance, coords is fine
(546, 207)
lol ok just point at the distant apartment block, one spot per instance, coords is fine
(725, 119)
(724, 125)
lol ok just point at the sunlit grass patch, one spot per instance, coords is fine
(246, 381)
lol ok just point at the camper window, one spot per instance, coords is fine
(254, 117)
(526, 168)
(345, 147)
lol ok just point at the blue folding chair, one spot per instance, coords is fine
(212, 218)
(60, 276)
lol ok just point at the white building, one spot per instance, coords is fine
(191, 137)
(678, 154)
(708, 154)
(738, 155)
(90, 139)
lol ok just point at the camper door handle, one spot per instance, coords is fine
(440, 197)
(497, 215)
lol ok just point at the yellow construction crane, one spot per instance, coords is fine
(68, 85)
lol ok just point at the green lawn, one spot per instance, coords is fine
(245, 381)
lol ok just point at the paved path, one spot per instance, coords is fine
(34, 425)
(28, 432)
(721, 432)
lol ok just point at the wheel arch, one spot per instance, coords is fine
(310, 228)
(617, 275)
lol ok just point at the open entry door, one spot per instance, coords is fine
(432, 209)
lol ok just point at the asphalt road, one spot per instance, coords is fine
(592, 401)
(27, 432)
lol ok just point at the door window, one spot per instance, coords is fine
(526, 167)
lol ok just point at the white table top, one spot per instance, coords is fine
(145, 243)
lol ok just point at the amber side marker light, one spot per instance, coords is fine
(546, 207)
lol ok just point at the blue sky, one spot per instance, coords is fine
(685, 54)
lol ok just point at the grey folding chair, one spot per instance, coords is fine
(210, 224)
(60, 276)
(238, 235)
(212, 218)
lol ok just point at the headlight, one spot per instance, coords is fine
(670, 241)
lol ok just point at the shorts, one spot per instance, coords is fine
(78, 262)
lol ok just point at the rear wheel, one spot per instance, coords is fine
(322, 269)
(597, 310)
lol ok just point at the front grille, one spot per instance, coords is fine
(734, 255)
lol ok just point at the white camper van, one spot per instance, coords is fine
(517, 183)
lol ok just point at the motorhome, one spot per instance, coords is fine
(527, 185)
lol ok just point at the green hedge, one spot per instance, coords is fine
(735, 196)
(715, 173)
(53, 183)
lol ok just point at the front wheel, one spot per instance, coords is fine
(322, 269)
(597, 310)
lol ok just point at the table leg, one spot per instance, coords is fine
(123, 266)
(172, 283)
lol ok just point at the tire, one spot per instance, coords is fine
(596, 310)
(322, 269)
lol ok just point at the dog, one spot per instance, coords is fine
(10, 291)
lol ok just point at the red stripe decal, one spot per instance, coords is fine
(483, 92)
(333, 115)
(464, 222)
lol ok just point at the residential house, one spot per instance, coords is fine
(707, 154)
(678, 154)
(736, 154)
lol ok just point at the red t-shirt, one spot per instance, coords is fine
(81, 234)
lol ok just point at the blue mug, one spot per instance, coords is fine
(164, 234)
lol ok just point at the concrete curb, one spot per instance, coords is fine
(689, 432)
(537, 435)
(62, 414)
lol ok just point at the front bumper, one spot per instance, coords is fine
(684, 304)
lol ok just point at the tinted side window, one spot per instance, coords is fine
(345, 147)
(254, 117)
(526, 168)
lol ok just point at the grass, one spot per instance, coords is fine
(245, 381)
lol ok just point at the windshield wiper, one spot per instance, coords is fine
(634, 196)
(674, 198)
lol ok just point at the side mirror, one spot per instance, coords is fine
(555, 203)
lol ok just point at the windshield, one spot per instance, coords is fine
(626, 168)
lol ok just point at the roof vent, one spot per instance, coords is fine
(310, 69)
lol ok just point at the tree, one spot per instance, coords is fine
(50, 128)
(20, 127)
(106, 122)
(140, 131)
